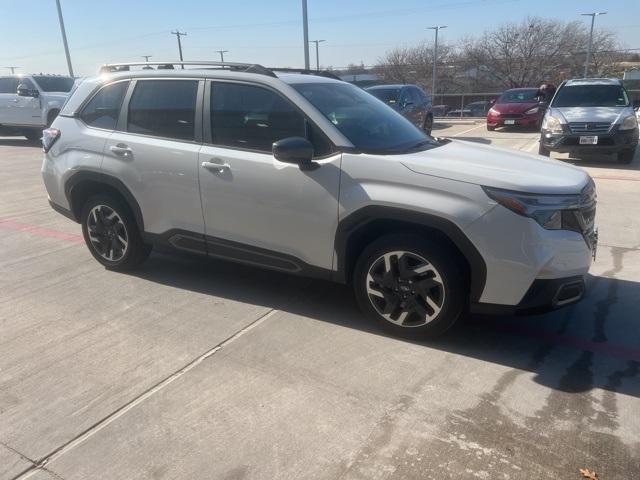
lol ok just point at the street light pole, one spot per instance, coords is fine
(305, 32)
(317, 42)
(64, 38)
(179, 34)
(593, 19)
(222, 52)
(437, 28)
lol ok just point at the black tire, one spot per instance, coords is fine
(625, 157)
(543, 151)
(51, 116)
(122, 226)
(428, 124)
(33, 136)
(448, 287)
(491, 129)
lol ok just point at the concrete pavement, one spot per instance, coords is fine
(201, 369)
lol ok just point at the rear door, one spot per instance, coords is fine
(154, 152)
(259, 210)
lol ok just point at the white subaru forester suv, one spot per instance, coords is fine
(313, 176)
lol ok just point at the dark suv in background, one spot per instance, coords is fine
(408, 100)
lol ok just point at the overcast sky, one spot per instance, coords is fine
(268, 32)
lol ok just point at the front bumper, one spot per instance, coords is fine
(525, 121)
(611, 142)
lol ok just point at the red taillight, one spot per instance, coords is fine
(49, 137)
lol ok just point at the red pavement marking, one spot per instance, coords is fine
(41, 231)
(616, 177)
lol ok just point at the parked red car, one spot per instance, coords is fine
(516, 107)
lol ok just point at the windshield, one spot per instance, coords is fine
(387, 95)
(54, 84)
(591, 96)
(367, 123)
(519, 96)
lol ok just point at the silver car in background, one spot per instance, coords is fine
(592, 115)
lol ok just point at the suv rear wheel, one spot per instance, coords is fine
(111, 233)
(413, 287)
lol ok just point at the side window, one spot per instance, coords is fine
(163, 108)
(9, 85)
(405, 97)
(252, 117)
(416, 98)
(103, 109)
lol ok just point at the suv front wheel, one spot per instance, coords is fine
(413, 287)
(112, 234)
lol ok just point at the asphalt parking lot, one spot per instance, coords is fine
(202, 369)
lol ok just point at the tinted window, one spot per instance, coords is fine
(591, 96)
(387, 95)
(415, 97)
(368, 124)
(8, 85)
(164, 108)
(103, 109)
(54, 84)
(519, 96)
(252, 117)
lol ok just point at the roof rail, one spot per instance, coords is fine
(320, 73)
(235, 66)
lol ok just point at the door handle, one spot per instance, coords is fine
(121, 150)
(216, 167)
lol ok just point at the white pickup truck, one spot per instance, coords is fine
(30, 103)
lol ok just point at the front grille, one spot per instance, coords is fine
(511, 115)
(589, 128)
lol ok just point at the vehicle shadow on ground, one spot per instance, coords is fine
(563, 348)
(603, 161)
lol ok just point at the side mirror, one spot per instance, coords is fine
(408, 103)
(542, 103)
(295, 150)
(24, 91)
(492, 101)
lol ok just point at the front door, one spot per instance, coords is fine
(8, 99)
(257, 209)
(27, 110)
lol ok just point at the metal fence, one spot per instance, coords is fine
(476, 105)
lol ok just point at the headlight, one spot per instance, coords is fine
(629, 123)
(552, 124)
(547, 210)
(493, 112)
(532, 110)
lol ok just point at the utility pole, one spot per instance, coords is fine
(146, 57)
(317, 53)
(593, 19)
(222, 52)
(437, 28)
(13, 69)
(305, 31)
(64, 38)
(179, 34)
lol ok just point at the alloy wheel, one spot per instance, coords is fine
(405, 289)
(107, 233)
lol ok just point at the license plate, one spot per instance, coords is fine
(509, 122)
(590, 140)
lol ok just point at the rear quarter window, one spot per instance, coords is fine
(103, 109)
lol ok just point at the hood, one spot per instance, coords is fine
(591, 114)
(496, 167)
(514, 107)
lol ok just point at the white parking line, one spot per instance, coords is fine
(465, 131)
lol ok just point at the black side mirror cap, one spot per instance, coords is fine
(296, 150)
